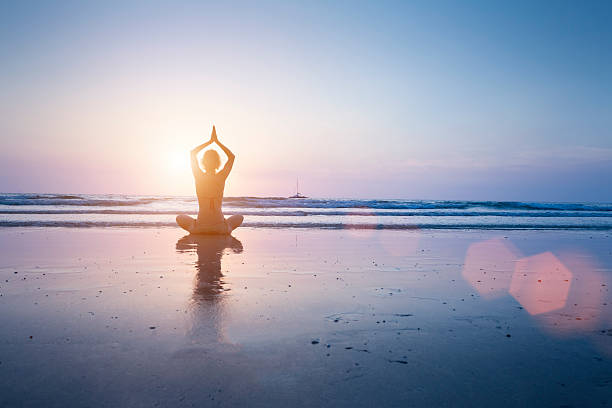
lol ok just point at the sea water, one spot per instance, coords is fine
(87, 210)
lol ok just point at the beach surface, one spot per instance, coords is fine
(305, 317)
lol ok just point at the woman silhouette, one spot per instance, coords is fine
(209, 189)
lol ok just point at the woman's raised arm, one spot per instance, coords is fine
(195, 168)
(230, 156)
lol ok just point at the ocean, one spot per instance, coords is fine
(87, 210)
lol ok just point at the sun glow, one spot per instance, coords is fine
(177, 162)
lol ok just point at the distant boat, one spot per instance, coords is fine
(297, 190)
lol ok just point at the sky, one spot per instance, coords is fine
(472, 100)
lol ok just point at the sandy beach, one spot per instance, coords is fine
(151, 317)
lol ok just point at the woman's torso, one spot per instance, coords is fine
(209, 189)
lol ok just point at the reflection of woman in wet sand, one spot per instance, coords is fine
(210, 249)
(209, 189)
(208, 306)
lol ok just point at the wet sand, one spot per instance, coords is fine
(150, 317)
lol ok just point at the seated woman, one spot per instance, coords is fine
(209, 189)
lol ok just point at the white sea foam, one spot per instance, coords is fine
(81, 210)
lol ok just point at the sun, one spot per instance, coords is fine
(177, 162)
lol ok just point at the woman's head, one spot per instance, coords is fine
(211, 161)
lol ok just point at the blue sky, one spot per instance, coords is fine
(441, 100)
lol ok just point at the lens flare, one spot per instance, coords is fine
(541, 283)
(489, 266)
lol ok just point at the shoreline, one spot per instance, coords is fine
(87, 211)
(311, 226)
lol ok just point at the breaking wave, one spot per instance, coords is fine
(89, 210)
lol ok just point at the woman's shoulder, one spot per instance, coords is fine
(212, 179)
